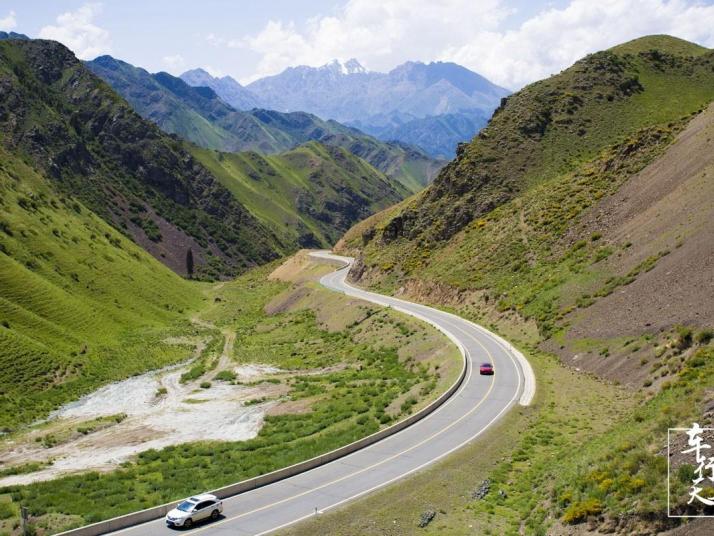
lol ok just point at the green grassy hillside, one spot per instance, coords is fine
(310, 195)
(198, 115)
(80, 305)
(672, 45)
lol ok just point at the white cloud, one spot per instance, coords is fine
(555, 38)
(475, 33)
(217, 41)
(76, 30)
(380, 33)
(9, 22)
(175, 64)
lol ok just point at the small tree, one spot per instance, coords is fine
(189, 263)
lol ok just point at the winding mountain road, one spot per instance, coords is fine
(478, 403)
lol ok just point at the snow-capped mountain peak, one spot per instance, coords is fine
(351, 66)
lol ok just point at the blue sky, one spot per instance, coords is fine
(511, 42)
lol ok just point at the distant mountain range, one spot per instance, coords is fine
(435, 105)
(227, 88)
(438, 135)
(199, 115)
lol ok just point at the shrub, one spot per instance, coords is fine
(704, 336)
(684, 338)
(205, 385)
(581, 510)
(225, 376)
(195, 372)
(685, 473)
(408, 403)
(6, 510)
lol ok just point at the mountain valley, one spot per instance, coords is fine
(155, 242)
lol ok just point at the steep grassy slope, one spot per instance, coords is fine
(311, 195)
(80, 304)
(197, 114)
(95, 148)
(592, 245)
(563, 242)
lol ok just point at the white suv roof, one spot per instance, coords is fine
(204, 497)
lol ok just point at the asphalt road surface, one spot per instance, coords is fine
(479, 402)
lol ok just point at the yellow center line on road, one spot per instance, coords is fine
(355, 473)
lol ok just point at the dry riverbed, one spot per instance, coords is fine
(150, 411)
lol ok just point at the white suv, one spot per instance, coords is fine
(195, 509)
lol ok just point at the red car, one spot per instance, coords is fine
(486, 369)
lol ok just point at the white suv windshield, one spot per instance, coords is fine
(185, 506)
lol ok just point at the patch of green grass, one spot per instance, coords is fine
(29, 467)
(100, 422)
(193, 373)
(225, 376)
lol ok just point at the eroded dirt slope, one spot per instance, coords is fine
(666, 207)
